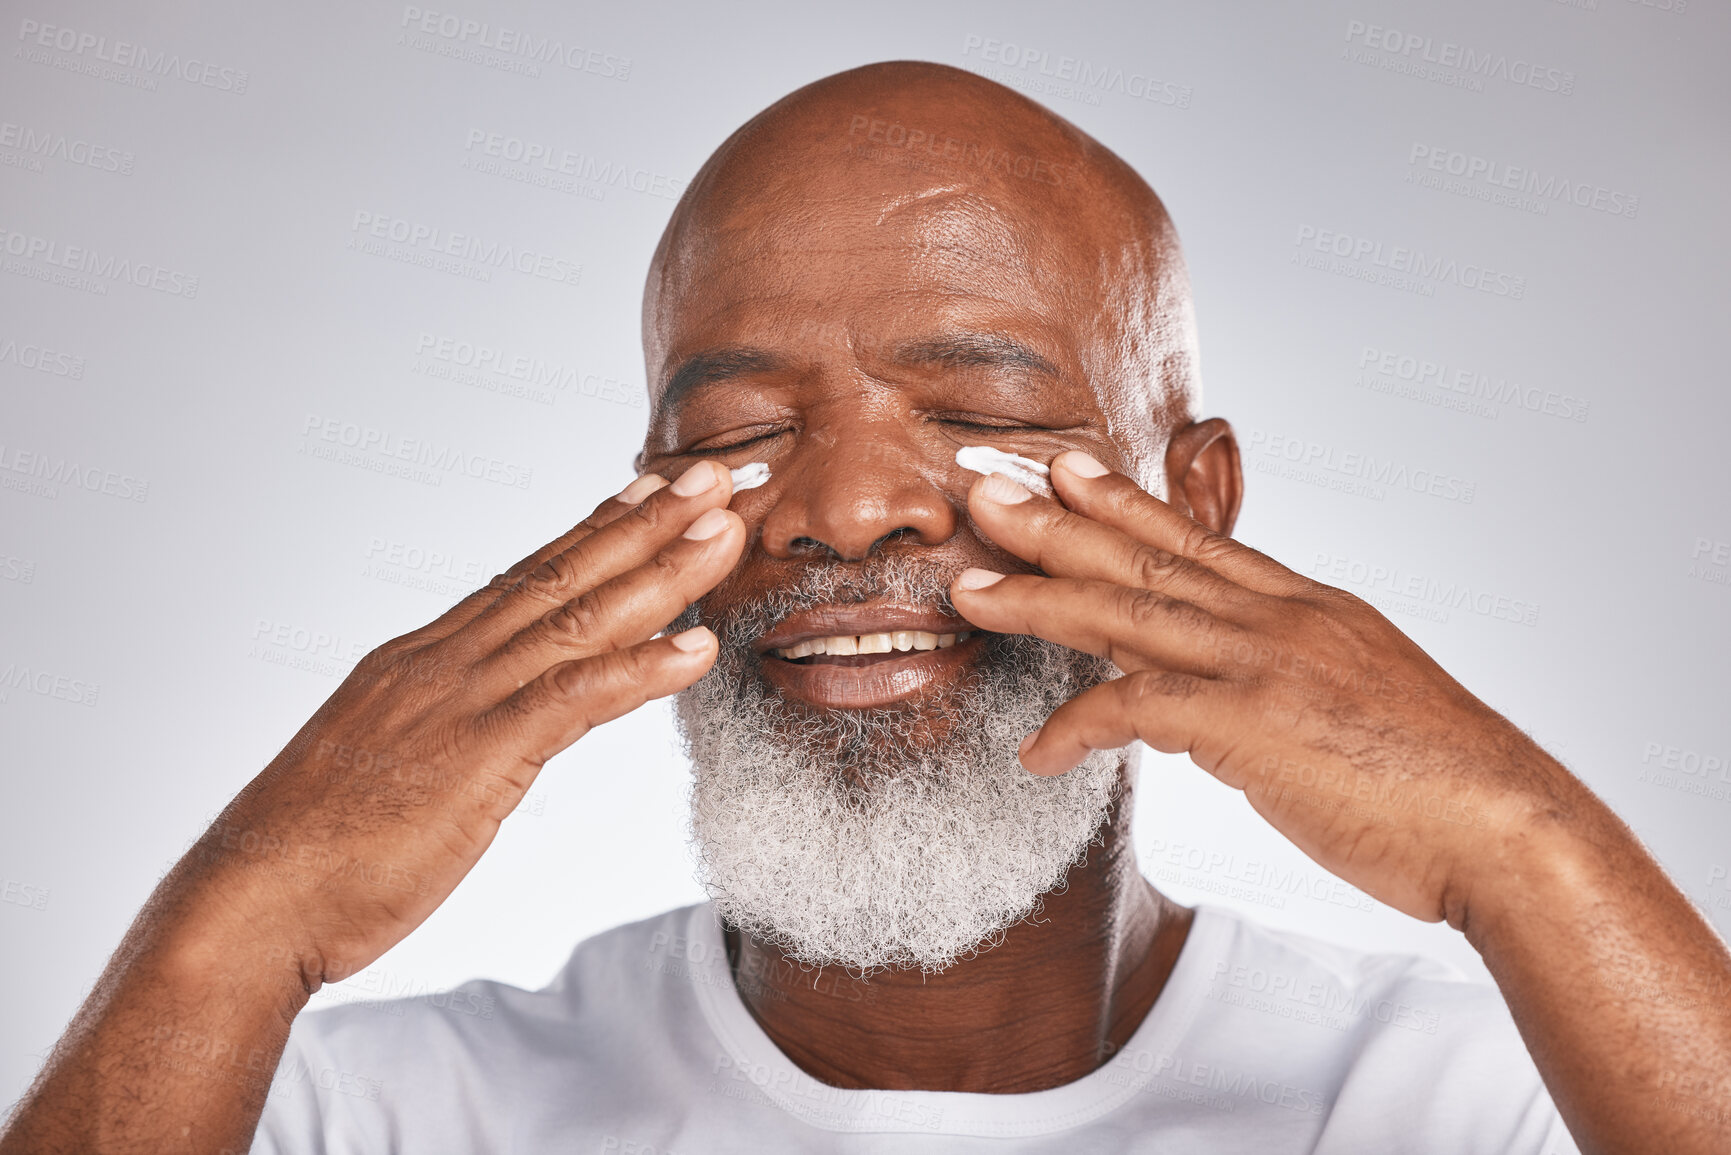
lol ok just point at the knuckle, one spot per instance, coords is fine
(1328, 614)
(386, 653)
(666, 565)
(1157, 688)
(553, 578)
(384, 661)
(572, 681)
(1057, 523)
(1330, 601)
(584, 679)
(635, 666)
(1054, 518)
(650, 516)
(576, 620)
(1153, 567)
(1189, 616)
(1143, 608)
(1200, 542)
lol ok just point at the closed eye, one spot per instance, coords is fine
(738, 443)
(993, 426)
(999, 426)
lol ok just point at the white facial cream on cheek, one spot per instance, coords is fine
(749, 476)
(1023, 471)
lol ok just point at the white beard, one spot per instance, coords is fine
(851, 838)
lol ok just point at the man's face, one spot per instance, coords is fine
(854, 341)
(853, 328)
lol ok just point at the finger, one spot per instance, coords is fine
(622, 611)
(1113, 499)
(1169, 711)
(570, 699)
(1067, 543)
(606, 513)
(622, 544)
(1136, 628)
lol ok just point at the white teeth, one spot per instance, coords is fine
(895, 641)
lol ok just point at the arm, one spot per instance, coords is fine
(1620, 988)
(1363, 752)
(369, 818)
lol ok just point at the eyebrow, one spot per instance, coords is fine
(975, 351)
(713, 366)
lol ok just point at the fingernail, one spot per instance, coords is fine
(1002, 490)
(1082, 464)
(707, 526)
(695, 480)
(693, 639)
(641, 488)
(974, 578)
(1026, 742)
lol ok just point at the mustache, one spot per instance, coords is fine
(902, 578)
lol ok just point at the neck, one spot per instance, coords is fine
(1050, 1003)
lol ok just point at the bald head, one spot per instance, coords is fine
(896, 195)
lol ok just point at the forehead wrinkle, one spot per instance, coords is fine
(971, 233)
(897, 203)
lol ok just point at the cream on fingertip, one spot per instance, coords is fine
(750, 475)
(1024, 471)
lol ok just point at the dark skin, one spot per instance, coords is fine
(1027, 1015)
(862, 450)
(848, 355)
(851, 315)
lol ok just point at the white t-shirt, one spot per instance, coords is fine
(1262, 1042)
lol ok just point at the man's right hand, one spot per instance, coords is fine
(368, 819)
(371, 815)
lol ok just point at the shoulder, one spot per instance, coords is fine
(600, 967)
(1404, 1052)
(449, 1064)
(1260, 963)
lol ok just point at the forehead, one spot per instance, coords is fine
(832, 229)
(871, 257)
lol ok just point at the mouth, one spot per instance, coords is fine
(856, 657)
(863, 649)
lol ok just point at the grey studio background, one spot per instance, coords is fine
(315, 316)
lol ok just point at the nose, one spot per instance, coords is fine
(849, 497)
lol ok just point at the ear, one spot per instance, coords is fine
(1204, 477)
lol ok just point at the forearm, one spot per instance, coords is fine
(175, 1047)
(1620, 988)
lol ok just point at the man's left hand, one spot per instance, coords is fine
(1341, 732)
